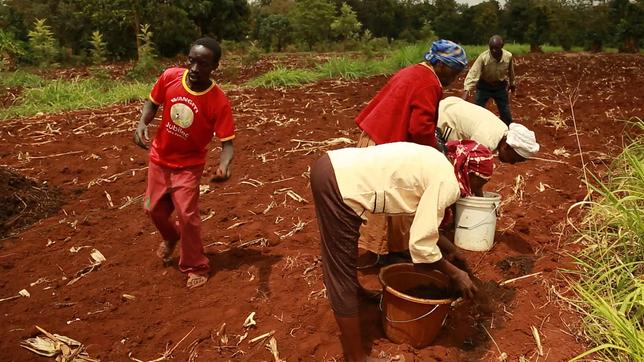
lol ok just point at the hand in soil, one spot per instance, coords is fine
(141, 135)
(456, 257)
(465, 285)
(221, 175)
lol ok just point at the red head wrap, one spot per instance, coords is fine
(469, 156)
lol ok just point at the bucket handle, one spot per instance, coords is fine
(495, 210)
(409, 320)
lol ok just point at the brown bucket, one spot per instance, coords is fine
(407, 319)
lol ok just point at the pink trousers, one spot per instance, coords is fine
(169, 190)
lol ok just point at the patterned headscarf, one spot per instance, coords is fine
(448, 52)
(469, 156)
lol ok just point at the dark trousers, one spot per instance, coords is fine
(339, 231)
(485, 91)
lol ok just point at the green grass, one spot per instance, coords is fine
(47, 96)
(62, 95)
(20, 78)
(400, 58)
(609, 280)
(392, 61)
(348, 68)
(282, 77)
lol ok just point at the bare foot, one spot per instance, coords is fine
(164, 252)
(196, 280)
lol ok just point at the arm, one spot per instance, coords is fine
(473, 76)
(147, 116)
(424, 238)
(460, 278)
(448, 249)
(223, 171)
(476, 184)
(425, 242)
(511, 82)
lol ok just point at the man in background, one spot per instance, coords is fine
(493, 76)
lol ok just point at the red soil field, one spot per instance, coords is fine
(263, 244)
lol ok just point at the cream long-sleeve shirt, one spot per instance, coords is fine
(487, 69)
(462, 120)
(399, 178)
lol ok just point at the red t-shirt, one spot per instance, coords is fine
(190, 119)
(405, 109)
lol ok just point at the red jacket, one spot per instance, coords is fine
(405, 109)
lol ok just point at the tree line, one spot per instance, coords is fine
(278, 25)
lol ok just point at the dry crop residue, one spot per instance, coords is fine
(263, 242)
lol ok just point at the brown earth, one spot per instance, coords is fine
(24, 201)
(261, 260)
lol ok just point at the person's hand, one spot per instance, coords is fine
(512, 88)
(141, 135)
(221, 174)
(464, 284)
(455, 256)
(465, 95)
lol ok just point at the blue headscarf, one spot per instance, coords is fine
(448, 52)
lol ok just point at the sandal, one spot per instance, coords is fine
(196, 280)
(164, 251)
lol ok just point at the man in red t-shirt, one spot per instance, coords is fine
(194, 110)
(406, 110)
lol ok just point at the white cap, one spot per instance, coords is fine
(522, 140)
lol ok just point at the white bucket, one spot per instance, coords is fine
(476, 221)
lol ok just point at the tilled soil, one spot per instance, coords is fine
(24, 201)
(263, 242)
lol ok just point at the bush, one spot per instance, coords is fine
(370, 45)
(42, 44)
(346, 26)
(98, 51)
(252, 56)
(147, 67)
(11, 50)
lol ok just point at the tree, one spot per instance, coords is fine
(485, 22)
(146, 66)
(12, 22)
(273, 31)
(223, 19)
(270, 24)
(446, 18)
(346, 26)
(311, 20)
(527, 21)
(380, 17)
(42, 43)
(595, 25)
(564, 22)
(629, 17)
(98, 50)
(173, 28)
(10, 50)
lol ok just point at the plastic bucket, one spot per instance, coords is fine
(476, 221)
(408, 319)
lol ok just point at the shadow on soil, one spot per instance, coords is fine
(233, 259)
